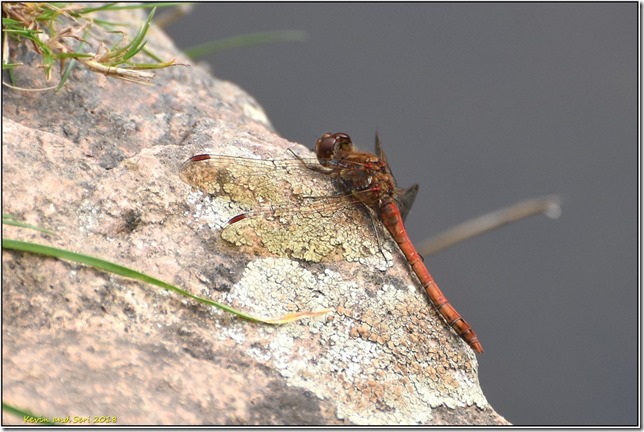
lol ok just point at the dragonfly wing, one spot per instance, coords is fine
(313, 233)
(406, 198)
(250, 182)
(379, 151)
(287, 209)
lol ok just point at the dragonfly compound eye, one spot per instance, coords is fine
(325, 147)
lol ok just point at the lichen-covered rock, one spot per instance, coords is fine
(98, 163)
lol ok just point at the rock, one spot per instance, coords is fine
(98, 163)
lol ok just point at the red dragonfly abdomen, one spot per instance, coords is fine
(390, 216)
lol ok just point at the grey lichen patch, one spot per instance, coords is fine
(279, 286)
(387, 353)
(215, 212)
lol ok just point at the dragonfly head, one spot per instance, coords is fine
(330, 145)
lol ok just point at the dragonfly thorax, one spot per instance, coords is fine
(365, 175)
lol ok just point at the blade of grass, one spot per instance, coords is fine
(133, 274)
(156, 57)
(138, 42)
(65, 75)
(24, 413)
(28, 89)
(74, 55)
(142, 66)
(8, 219)
(245, 41)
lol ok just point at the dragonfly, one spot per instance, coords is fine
(356, 186)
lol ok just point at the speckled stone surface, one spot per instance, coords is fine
(98, 163)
